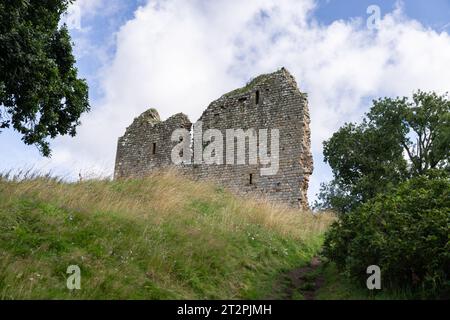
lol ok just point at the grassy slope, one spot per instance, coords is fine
(158, 238)
(337, 286)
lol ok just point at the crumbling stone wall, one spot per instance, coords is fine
(146, 144)
(271, 101)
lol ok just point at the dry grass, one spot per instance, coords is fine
(166, 193)
(168, 236)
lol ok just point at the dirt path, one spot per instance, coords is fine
(302, 282)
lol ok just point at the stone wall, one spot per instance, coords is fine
(271, 101)
(146, 144)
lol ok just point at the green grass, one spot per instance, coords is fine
(250, 85)
(162, 237)
(339, 287)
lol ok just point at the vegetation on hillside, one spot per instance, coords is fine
(391, 187)
(405, 232)
(162, 237)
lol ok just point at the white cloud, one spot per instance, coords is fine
(87, 7)
(178, 56)
(77, 11)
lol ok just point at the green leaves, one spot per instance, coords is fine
(398, 139)
(41, 96)
(404, 231)
(420, 126)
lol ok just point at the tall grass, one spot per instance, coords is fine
(162, 237)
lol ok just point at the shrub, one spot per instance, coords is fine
(405, 233)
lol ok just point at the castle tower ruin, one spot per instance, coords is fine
(269, 101)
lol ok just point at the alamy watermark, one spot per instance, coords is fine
(74, 280)
(374, 281)
(373, 21)
(209, 147)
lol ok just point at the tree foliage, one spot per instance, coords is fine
(404, 232)
(41, 95)
(421, 127)
(399, 139)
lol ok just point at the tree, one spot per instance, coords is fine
(397, 140)
(41, 96)
(421, 127)
(403, 231)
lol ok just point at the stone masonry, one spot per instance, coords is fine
(270, 101)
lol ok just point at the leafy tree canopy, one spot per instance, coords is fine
(40, 93)
(404, 231)
(399, 138)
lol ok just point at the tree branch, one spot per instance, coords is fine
(411, 157)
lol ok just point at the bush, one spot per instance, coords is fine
(405, 233)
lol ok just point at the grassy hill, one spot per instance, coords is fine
(163, 237)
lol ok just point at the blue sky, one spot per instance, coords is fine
(131, 60)
(435, 13)
(103, 26)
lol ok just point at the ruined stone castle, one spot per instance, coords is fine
(270, 101)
